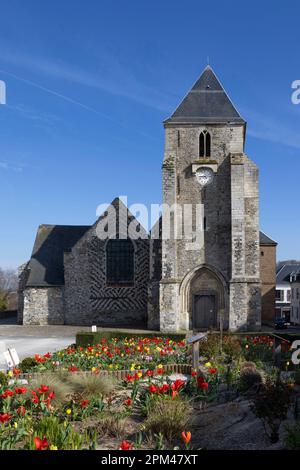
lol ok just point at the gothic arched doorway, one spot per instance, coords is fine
(204, 299)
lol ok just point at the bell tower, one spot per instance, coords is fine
(210, 261)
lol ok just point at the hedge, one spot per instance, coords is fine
(88, 338)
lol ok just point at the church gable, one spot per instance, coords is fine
(107, 279)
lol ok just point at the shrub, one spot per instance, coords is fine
(167, 416)
(91, 385)
(3, 379)
(112, 426)
(232, 346)
(27, 364)
(210, 347)
(250, 377)
(271, 405)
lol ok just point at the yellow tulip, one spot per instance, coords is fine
(52, 447)
(68, 411)
(207, 364)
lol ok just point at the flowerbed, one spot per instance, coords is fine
(125, 393)
(116, 354)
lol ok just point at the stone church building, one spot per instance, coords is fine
(76, 278)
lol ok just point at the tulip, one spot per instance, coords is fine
(43, 389)
(84, 403)
(4, 417)
(128, 402)
(20, 390)
(186, 437)
(40, 444)
(125, 445)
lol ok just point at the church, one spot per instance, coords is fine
(219, 275)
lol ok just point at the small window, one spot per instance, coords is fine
(204, 144)
(280, 295)
(119, 262)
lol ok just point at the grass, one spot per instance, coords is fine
(167, 416)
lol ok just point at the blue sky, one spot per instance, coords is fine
(89, 83)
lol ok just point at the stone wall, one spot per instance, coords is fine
(90, 300)
(43, 306)
(268, 280)
(230, 242)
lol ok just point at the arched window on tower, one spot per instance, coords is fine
(119, 261)
(204, 144)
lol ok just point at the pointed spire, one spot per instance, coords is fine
(206, 102)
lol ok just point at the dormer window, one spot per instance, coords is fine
(204, 144)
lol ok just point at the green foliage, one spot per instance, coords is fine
(61, 435)
(87, 338)
(210, 347)
(3, 379)
(167, 416)
(271, 405)
(292, 437)
(3, 301)
(231, 346)
(27, 364)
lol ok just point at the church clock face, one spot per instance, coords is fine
(204, 176)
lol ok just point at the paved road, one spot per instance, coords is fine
(28, 346)
(30, 340)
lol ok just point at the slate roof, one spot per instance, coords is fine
(206, 102)
(264, 240)
(46, 266)
(284, 273)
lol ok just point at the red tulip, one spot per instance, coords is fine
(20, 390)
(178, 384)
(39, 359)
(43, 389)
(84, 403)
(7, 393)
(40, 444)
(73, 369)
(153, 389)
(125, 445)
(4, 417)
(128, 402)
(212, 370)
(164, 388)
(149, 373)
(21, 410)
